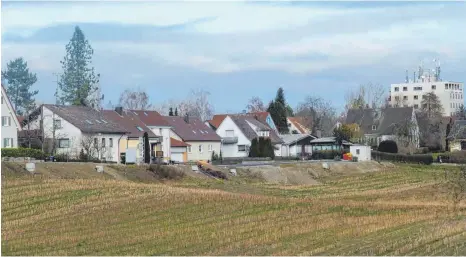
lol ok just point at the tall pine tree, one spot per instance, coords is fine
(78, 80)
(20, 80)
(170, 112)
(176, 111)
(279, 112)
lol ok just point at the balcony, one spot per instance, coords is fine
(229, 140)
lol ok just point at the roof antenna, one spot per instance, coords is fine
(406, 79)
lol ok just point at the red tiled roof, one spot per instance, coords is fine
(217, 120)
(298, 122)
(177, 143)
(195, 130)
(128, 121)
(151, 118)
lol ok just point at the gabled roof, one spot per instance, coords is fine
(130, 122)
(86, 119)
(384, 119)
(328, 140)
(217, 120)
(243, 123)
(458, 130)
(260, 116)
(299, 122)
(177, 143)
(151, 118)
(193, 130)
(293, 138)
(12, 110)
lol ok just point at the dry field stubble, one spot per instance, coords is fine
(395, 212)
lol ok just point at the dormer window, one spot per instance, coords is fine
(374, 127)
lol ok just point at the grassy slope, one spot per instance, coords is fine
(384, 213)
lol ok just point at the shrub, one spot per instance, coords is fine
(261, 147)
(453, 157)
(23, 152)
(165, 172)
(388, 146)
(414, 158)
(326, 154)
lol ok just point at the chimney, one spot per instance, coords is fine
(186, 118)
(318, 133)
(119, 110)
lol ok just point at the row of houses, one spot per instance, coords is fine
(117, 135)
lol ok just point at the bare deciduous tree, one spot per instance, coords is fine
(255, 104)
(322, 114)
(372, 95)
(195, 105)
(134, 100)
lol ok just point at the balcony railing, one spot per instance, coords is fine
(230, 140)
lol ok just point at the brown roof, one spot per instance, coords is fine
(20, 119)
(86, 119)
(217, 120)
(151, 118)
(128, 121)
(194, 130)
(299, 122)
(177, 143)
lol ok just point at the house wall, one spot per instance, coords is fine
(231, 150)
(12, 130)
(205, 155)
(364, 152)
(164, 132)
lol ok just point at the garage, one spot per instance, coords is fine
(177, 157)
(178, 150)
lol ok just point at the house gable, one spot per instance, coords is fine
(12, 113)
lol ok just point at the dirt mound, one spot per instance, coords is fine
(308, 173)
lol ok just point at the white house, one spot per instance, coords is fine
(237, 132)
(296, 145)
(160, 127)
(201, 140)
(363, 152)
(70, 129)
(10, 123)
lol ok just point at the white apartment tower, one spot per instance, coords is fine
(410, 93)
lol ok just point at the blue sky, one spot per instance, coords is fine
(239, 49)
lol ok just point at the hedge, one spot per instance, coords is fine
(326, 154)
(23, 152)
(453, 157)
(414, 158)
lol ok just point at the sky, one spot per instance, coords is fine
(238, 49)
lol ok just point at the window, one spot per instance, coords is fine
(8, 142)
(374, 127)
(405, 97)
(57, 124)
(417, 88)
(139, 128)
(434, 87)
(357, 151)
(446, 86)
(229, 133)
(416, 106)
(95, 142)
(397, 89)
(64, 143)
(210, 148)
(241, 148)
(397, 98)
(405, 88)
(200, 148)
(416, 97)
(103, 142)
(6, 121)
(110, 142)
(189, 148)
